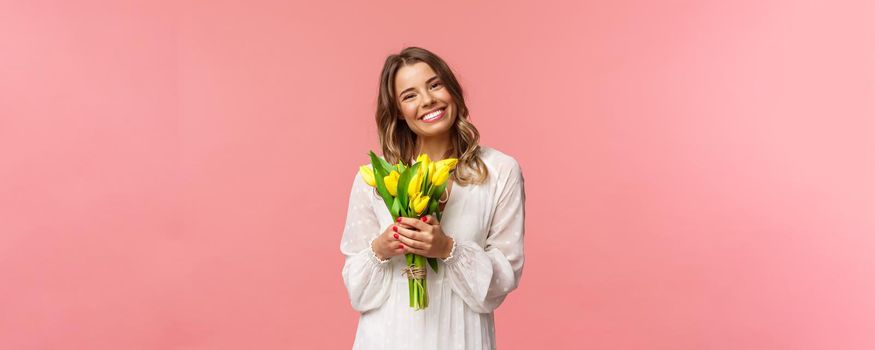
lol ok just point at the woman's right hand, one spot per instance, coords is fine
(386, 245)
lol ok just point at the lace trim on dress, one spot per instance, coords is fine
(452, 250)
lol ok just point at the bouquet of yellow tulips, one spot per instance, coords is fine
(411, 191)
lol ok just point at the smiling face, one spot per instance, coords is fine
(424, 102)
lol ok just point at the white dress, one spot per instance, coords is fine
(487, 223)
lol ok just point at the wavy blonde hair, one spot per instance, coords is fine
(398, 142)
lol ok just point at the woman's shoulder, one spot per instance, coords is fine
(503, 167)
(497, 159)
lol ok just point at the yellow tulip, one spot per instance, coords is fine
(391, 182)
(368, 175)
(431, 170)
(424, 159)
(441, 176)
(424, 162)
(415, 184)
(411, 198)
(422, 170)
(449, 162)
(418, 203)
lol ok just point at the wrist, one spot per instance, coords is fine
(380, 258)
(448, 248)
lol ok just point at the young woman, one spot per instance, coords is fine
(479, 243)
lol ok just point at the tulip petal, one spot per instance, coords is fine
(368, 175)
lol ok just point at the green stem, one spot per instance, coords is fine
(410, 286)
(424, 293)
(417, 288)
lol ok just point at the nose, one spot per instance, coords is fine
(427, 99)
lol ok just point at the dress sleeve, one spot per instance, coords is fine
(483, 276)
(368, 280)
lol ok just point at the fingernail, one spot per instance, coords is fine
(395, 228)
(424, 218)
(398, 219)
(396, 236)
(402, 246)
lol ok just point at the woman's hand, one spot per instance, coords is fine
(386, 246)
(424, 238)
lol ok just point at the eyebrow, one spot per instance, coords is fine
(410, 88)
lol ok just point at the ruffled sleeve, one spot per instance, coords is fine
(368, 280)
(483, 276)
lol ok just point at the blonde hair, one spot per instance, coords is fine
(398, 142)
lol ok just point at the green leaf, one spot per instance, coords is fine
(433, 263)
(386, 166)
(378, 178)
(425, 182)
(380, 163)
(433, 206)
(438, 191)
(404, 182)
(395, 209)
(436, 194)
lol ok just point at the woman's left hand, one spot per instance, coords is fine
(424, 238)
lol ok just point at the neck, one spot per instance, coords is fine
(436, 147)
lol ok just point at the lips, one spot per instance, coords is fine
(434, 117)
(431, 111)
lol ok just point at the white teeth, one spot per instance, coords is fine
(432, 115)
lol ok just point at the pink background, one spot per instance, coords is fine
(699, 174)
